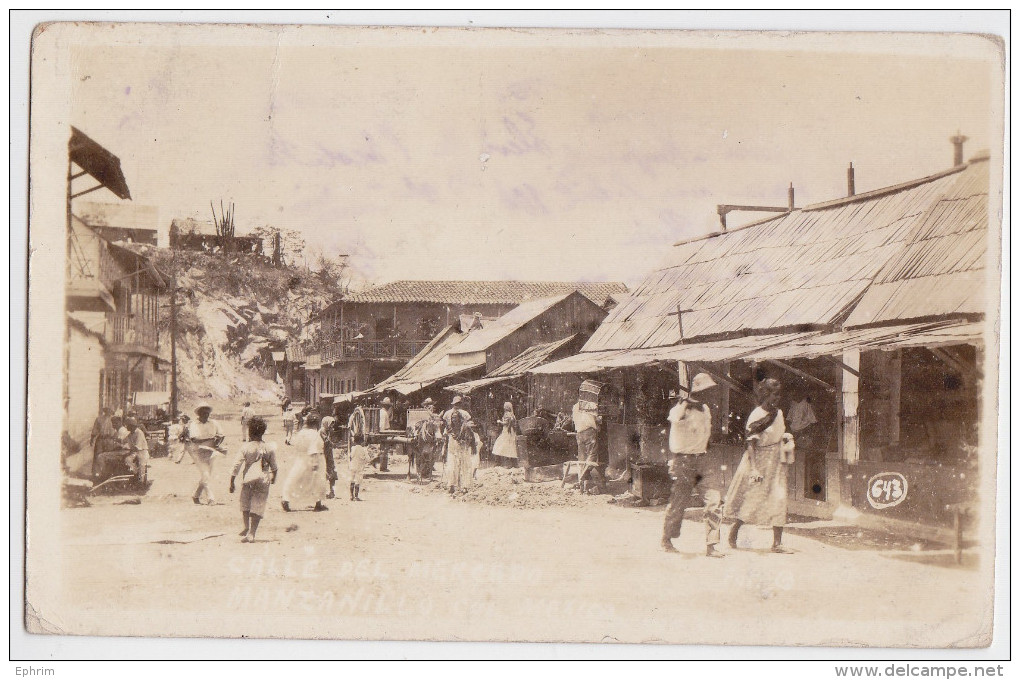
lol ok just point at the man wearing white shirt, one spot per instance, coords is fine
(690, 428)
(204, 438)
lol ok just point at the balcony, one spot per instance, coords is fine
(372, 349)
(129, 333)
(91, 272)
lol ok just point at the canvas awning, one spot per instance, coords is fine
(515, 367)
(151, 398)
(472, 385)
(419, 380)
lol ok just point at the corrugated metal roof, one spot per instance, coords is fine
(421, 365)
(808, 268)
(942, 270)
(719, 350)
(778, 346)
(493, 331)
(530, 358)
(516, 367)
(485, 292)
(901, 335)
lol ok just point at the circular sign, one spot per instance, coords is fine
(887, 489)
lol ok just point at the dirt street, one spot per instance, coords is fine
(407, 564)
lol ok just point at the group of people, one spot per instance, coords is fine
(757, 494)
(119, 440)
(310, 480)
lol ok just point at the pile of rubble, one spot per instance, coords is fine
(505, 487)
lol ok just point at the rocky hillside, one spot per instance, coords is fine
(236, 308)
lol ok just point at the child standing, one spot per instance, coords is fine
(289, 420)
(257, 466)
(359, 458)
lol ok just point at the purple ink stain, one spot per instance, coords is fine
(127, 90)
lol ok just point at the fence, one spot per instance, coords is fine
(372, 349)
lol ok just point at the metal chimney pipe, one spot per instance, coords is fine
(790, 195)
(958, 141)
(850, 189)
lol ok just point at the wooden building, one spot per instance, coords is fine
(113, 349)
(368, 336)
(873, 306)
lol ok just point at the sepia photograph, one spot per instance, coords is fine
(532, 335)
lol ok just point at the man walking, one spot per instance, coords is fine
(586, 427)
(247, 413)
(690, 429)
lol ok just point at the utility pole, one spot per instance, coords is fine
(173, 334)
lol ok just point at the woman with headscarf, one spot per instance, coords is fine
(461, 447)
(506, 444)
(757, 494)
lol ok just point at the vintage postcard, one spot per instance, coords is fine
(680, 337)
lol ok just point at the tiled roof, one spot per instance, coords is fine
(484, 292)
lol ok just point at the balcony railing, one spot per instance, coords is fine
(372, 349)
(129, 329)
(91, 270)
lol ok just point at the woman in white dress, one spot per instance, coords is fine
(757, 494)
(506, 444)
(306, 482)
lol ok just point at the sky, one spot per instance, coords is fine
(430, 161)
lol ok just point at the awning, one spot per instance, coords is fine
(776, 347)
(515, 367)
(472, 385)
(888, 337)
(102, 165)
(341, 398)
(420, 380)
(151, 398)
(719, 350)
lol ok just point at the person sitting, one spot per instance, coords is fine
(137, 457)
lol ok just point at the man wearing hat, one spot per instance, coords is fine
(690, 428)
(204, 438)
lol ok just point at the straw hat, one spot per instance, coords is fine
(386, 401)
(203, 406)
(428, 402)
(702, 381)
(456, 400)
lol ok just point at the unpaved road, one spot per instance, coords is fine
(409, 565)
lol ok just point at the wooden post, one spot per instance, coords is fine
(850, 400)
(724, 402)
(895, 376)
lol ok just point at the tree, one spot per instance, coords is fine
(332, 273)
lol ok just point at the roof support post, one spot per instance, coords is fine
(851, 439)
